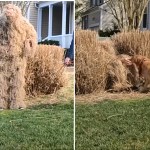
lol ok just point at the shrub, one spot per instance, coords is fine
(49, 42)
(133, 42)
(107, 33)
(45, 72)
(96, 64)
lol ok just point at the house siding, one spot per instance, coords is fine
(33, 15)
(94, 19)
(91, 19)
(106, 18)
(99, 18)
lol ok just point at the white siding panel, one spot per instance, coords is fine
(107, 19)
(33, 15)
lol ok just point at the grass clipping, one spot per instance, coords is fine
(45, 72)
(97, 66)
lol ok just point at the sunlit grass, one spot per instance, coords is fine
(113, 125)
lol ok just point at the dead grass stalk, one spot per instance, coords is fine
(133, 42)
(97, 66)
(45, 73)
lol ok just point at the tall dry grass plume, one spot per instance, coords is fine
(97, 66)
(45, 72)
(133, 42)
(18, 41)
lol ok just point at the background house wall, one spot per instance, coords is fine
(91, 19)
(94, 19)
(107, 19)
(80, 7)
(33, 15)
(53, 20)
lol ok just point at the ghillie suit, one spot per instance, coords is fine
(17, 42)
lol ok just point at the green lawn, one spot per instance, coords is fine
(113, 125)
(43, 127)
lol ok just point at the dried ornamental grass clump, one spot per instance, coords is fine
(117, 76)
(88, 66)
(97, 66)
(133, 42)
(45, 72)
(108, 46)
(17, 43)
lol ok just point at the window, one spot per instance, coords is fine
(85, 22)
(96, 2)
(145, 19)
(99, 2)
(92, 3)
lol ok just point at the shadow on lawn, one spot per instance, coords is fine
(51, 106)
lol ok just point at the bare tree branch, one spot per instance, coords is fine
(128, 13)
